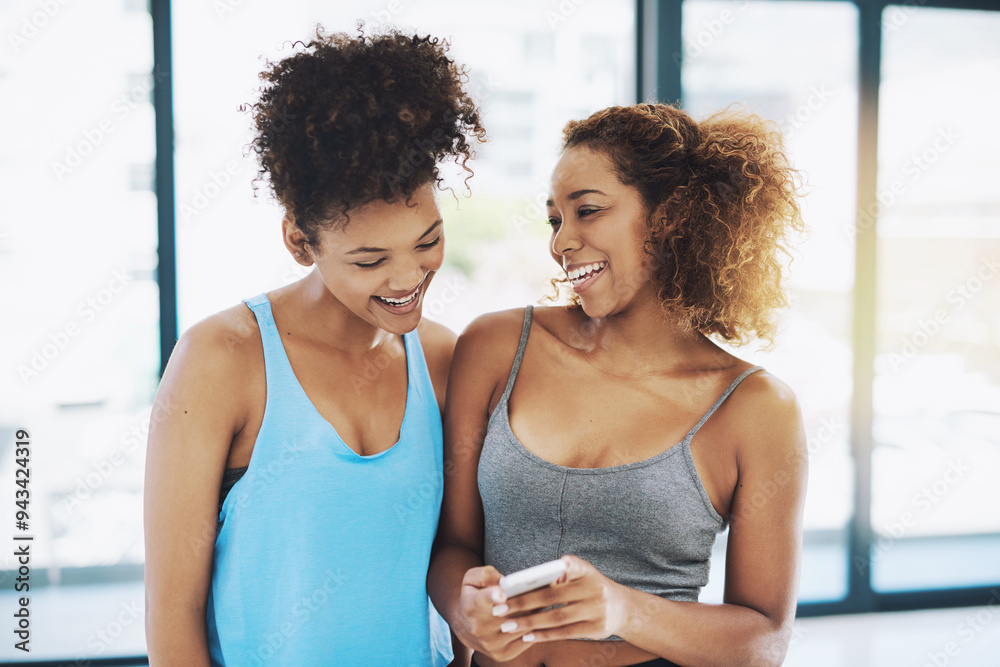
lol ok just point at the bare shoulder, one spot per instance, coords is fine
(485, 353)
(767, 414)
(438, 342)
(494, 336)
(211, 388)
(226, 340)
(218, 365)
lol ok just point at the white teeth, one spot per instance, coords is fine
(399, 302)
(402, 302)
(585, 270)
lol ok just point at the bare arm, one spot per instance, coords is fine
(199, 407)
(458, 583)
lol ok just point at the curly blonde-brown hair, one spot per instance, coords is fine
(722, 202)
(348, 120)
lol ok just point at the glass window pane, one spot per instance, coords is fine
(740, 52)
(937, 392)
(77, 269)
(80, 335)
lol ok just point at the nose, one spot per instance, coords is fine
(409, 275)
(565, 239)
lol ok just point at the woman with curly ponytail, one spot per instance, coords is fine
(294, 469)
(619, 436)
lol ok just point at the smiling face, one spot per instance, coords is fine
(598, 229)
(379, 265)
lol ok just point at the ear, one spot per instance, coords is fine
(296, 241)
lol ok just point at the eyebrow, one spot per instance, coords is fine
(369, 249)
(576, 195)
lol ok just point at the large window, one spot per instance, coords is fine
(937, 389)
(77, 273)
(891, 341)
(80, 327)
(738, 53)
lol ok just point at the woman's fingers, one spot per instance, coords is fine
(571, 591)
(580, 620)
(481, 577)
(549, 618)
(483, 605)
(576, 568)
(486, 584)
(582, 630)
(576, 606)
(581, 604)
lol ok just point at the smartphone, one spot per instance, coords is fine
(531, 578)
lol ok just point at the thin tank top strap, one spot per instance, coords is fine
(277, 369)
(520, 353)
(722, 399)
(255, 301)
(417, 373)
(414, 352)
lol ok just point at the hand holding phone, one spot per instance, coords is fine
(532, 578)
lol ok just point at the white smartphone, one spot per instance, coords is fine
(531, 578)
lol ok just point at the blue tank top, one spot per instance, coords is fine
(321, 555)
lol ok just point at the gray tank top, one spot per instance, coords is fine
(648, 525)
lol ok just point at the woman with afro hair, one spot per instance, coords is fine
(613, 433)
(294, 468)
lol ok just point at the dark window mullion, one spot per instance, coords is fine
(860, 594)
(166, 268)
(658, 50)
